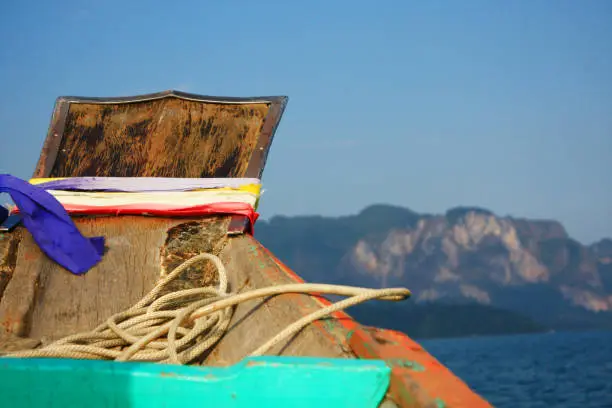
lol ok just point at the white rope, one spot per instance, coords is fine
(181, 326)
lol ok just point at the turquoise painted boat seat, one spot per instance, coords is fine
(254, 382)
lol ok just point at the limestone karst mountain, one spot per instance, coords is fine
(468, 255)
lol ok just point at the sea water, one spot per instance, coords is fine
(535, 370)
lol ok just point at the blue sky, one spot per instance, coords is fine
(429, 104)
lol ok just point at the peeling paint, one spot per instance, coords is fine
(400, 362)
(440, 403)
(350, 334)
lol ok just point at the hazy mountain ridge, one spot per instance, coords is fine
(468, 255)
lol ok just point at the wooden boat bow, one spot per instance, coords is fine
(181, 135)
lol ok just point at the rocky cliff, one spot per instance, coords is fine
(468, 255)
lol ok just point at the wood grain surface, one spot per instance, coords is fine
(167, 137)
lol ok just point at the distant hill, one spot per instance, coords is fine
(528, 274)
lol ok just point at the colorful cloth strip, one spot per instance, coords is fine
(141, 184)
(51, 226)
(46, 215)
(170, 204)
(165, 200)
(241, 209)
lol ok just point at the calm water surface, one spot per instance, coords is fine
(536, 370)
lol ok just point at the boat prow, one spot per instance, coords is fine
(94, 161)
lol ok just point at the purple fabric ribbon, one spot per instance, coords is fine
(51, 226)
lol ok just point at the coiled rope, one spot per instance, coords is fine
(181, 326)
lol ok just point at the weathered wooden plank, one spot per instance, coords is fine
(256, 382)
(9, 243)
(167, 137)
(18, 297)
(44, 301)
(10, 343)
(249, 267)
(170, 134)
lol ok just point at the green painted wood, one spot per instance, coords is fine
(254, 382)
